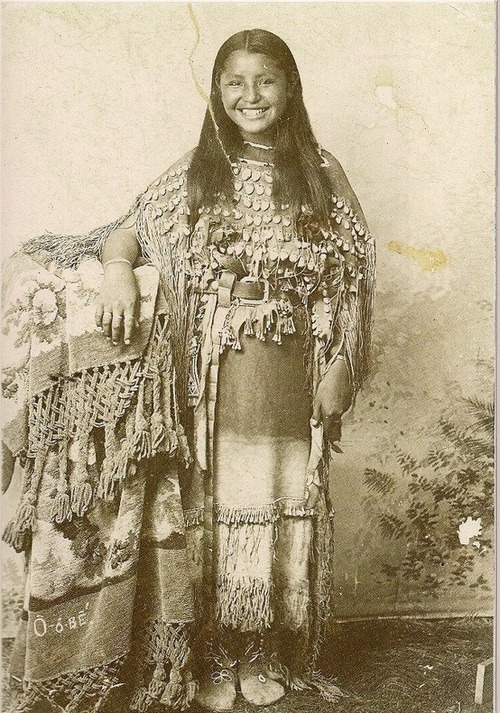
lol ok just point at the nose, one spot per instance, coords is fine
(251, 93)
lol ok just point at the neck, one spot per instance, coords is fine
(254, 151)
(255, 145)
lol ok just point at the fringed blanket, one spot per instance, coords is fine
(100, 516)
(166, 482)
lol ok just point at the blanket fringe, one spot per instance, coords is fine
(61, 509)
(18, 540)
(131, 399)
(166, 647)
(73, 690)
(25, 519)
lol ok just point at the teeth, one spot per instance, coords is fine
(252, 112)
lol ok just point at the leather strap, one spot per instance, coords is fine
(225, 288)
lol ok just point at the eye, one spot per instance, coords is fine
(267, 81)
(233, 83)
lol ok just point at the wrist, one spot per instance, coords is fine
(117, 265)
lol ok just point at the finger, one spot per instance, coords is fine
(116, 326)
(128, 326)
(107, 318)
(316, 414)
(99, 311)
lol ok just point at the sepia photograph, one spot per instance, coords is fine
(248, 341)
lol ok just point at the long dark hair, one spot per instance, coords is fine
(298, 177)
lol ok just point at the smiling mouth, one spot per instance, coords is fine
(253, 113)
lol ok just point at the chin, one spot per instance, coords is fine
(263, 131)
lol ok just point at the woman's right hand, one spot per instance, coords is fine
(118, 305)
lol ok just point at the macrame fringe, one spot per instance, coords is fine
(72, 691)
(69, 414)
(166, 646)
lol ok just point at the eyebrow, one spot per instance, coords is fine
(240, 76)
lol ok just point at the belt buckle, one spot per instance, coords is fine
(267, 288)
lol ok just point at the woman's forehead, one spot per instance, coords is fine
(243, 62)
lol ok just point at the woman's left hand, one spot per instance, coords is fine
(332, 399)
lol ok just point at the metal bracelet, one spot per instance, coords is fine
(117, 260)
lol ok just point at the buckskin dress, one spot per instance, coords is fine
(254, 307)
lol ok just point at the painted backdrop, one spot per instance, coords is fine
(98, 99)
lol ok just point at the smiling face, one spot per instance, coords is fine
(254, 92)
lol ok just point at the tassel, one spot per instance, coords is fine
(248, 328)
(10, 533)
(12, 537)
(277, 333)
(174, 690)
(81, 498)
(61, 509)
(157, 432)
(25, 519)
(236, 341)
(121, 466)
(141, 445)
(140, 701)
(106, 487)
(157, 684)
(260, 330)
(141, 441)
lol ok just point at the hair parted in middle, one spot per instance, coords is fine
(298, 176)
